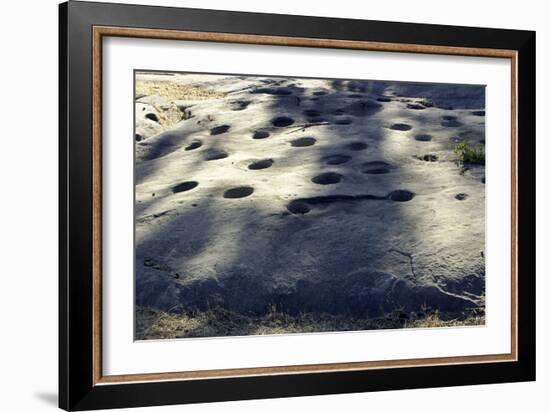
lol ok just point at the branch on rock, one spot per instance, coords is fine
(304, 126)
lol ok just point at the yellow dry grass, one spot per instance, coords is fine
(175, 91)
(153, 324)
(434, 321)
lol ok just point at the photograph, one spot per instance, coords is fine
(268, 204)
(260, 205)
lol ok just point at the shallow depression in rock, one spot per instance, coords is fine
(275, 91)
(184, 187)
(423, 137)
(215, 155)
(429, 158)
(219, 129)
(376, 167)
(356, 146)
(240, 105)
(401, 127)
(450, 121)
(328, 178)
(261, 164)
(336, 159)
(152, 116)
(282, 121)
(260, 134)
(401, 195)
(238, 192)
(303, 142)
(298, 207)
(195, 144)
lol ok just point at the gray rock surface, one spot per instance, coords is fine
(312, 195)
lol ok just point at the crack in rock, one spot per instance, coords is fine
(407, 255)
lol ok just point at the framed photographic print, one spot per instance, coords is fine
(256, 205)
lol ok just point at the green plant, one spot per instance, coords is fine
(469, 154)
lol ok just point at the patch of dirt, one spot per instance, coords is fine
(175, 91)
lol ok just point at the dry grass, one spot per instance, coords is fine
(174, 91)
(434, 321)
(153, 324)
(169, 91)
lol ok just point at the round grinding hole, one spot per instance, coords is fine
(356, 146)
(383, 99)
(275, 91)
(238, 192)
(184, 187)
(312, 113)
(303, 142)
(423, 137)
(260, 134)
(461, 196)
(138, 137)
(195, 144)
(152, 116)
(336, 159)
(240, 105)
(450, 121)
(401, 127)
(215, 155)
(320, 93)
(401, 195)
(328, 178)
(261, 164)
(219, 129)
(298, 207)
(429, 158)
(376, 168)
(282, 121)
(479, 113)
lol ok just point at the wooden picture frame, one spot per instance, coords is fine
(82, 384)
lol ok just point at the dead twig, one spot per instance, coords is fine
(304, 126)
